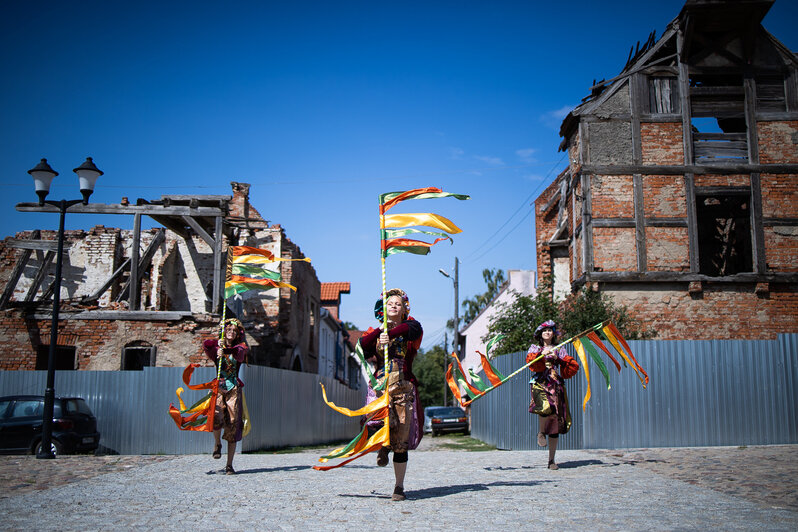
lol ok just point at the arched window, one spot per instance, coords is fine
(137, 354)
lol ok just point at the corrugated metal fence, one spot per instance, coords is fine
(285, 407)
(702, 393)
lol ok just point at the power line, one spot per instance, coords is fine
(523, 204)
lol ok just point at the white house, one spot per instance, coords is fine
(521, 281)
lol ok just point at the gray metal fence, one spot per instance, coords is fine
(701, 393)
(131, 407)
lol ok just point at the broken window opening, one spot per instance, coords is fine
(663, 94)
(65, 357)
(724, 234)
(717, 116)
(312, 324)
(771, 95)
(136, 355)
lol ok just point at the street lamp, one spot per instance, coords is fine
(456, 281)
(42, 177)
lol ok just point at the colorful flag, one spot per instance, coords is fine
(395, 227)
(247, 269)
(583, 347)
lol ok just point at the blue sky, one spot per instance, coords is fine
(321, 106)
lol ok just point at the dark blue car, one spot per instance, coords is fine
(74, 425)
(440, 419)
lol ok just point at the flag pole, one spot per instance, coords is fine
(384, 307)
(522, 368)
(227, 275)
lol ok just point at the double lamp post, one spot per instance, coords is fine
(43, 176)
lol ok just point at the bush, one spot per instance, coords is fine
(518, 320)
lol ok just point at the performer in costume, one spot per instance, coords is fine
(549, 399)
(405, 415)
(231, 351)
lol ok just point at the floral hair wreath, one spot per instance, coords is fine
(392, 292)
(233, 321)
(548, 324)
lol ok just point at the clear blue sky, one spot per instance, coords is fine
(320, 106)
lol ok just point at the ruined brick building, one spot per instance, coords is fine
(680, 199)
(134, 298)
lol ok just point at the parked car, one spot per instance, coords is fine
(74, 425)
(440, 419)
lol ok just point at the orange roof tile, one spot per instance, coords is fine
(333, 291)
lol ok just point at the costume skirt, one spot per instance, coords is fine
(550, 401)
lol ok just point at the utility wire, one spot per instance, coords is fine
(524, 203)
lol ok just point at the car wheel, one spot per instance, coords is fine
(55, 447)
(434, 433)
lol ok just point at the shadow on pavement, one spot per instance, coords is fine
(444, 491)
(563, 465)
(260, 470)
(581, 463)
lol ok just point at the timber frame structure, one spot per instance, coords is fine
(683, 169)
(204, 215)
(132, 298)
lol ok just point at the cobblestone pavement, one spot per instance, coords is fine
(729, 488)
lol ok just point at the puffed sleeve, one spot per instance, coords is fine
(240, 352)
(210, 346)
(532, 354)
(568, 366)
(369, 342)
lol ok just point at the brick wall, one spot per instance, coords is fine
(614, 249)
(662, 143)
(778, 142)
(779, 196)
(98, 343)
(722, 180)
(545, 225)
(664, 196)
(721, 311)
(667, 249)
(612, 196)
(179, 279)
(781, 248)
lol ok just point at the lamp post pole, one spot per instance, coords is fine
(456, 306)
(456, 340)
(43, 176)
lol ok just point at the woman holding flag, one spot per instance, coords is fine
(405, 417)
(549, 400)
(228, 354)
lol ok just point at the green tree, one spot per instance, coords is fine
(518, 319)
(494, 279)
(429, 370)
(582, 310)
(349, 326)
(586, 308)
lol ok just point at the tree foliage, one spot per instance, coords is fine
(428, 368)
(518, 319)
(579, 311)
(494, 279)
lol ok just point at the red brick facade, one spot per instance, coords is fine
(98, 343)
(699, 246)
(174, 317)
(662, 143)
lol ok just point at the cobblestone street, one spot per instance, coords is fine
(729, 488)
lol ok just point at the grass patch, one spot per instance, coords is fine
(459, 442)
